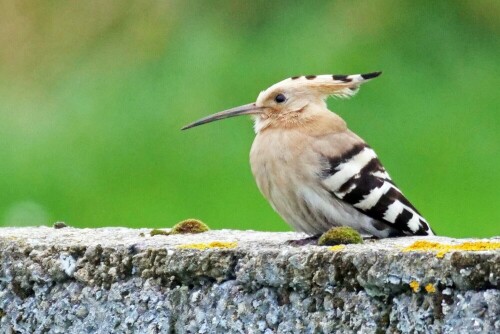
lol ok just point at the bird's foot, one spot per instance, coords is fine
(303, 242)
(368, 237)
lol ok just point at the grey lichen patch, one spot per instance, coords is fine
(104, 266)
(340, 236)
(345, 272)
(472, 270)
(186, 266)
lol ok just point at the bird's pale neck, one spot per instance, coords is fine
(313, 119)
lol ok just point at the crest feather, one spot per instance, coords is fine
(337, 85)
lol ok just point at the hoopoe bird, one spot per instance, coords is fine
(314, 171)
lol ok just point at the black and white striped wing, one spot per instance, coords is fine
(358, 178)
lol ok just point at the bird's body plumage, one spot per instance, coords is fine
(313, 170)
(301, 172)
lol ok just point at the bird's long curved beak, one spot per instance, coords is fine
(247, 109)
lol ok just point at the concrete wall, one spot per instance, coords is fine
(117, 280)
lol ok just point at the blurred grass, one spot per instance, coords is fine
(93, 94)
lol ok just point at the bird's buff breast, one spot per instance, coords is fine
(280, 164)
(277, 157)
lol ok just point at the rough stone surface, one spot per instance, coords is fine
(117, 280)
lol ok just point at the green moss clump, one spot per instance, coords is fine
(189, 226)
(340, 235)
(158, 232)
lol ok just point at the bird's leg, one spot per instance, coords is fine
(303, 242)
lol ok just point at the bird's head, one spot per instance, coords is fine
(293, 101)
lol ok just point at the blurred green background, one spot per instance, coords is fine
(93, 94)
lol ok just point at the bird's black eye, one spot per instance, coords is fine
(280, 98)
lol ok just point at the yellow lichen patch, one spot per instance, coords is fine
(430, 288)
(336, 248)
(208, 245)
(442, 249)
(415, 286)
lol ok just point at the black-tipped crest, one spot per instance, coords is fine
(341, 77)
(371, 75)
